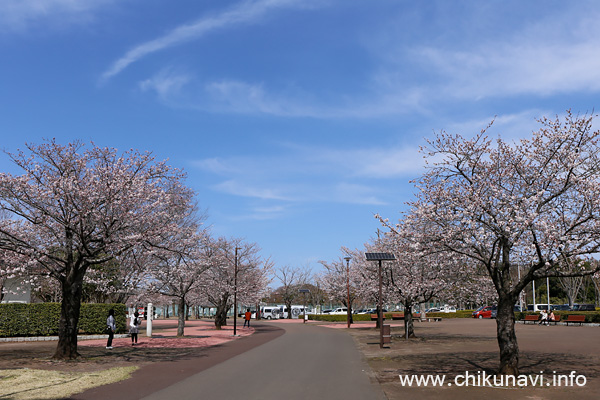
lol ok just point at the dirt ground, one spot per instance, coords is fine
(163, 346)
(455, 347)
(450, 348)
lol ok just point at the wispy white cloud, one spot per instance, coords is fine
(243, 189)
(511, 70)
(166, 84)
(507, 126)
(310, 174)
(238, 97)
(19, 15)
(246, 12)
(558, 53)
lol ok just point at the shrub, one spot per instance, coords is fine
(42, 319)
(337, 318)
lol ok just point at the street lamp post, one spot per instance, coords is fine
(304, 291)
(380, 257)
(235, 272)
(348, 311)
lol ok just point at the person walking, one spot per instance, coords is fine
(134, 324)
(110, 328)
(247, 317)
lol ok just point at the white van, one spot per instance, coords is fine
(297, 311)
(269, 312)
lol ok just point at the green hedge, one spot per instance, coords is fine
(450, 315)
(337, 318)
(42, 319)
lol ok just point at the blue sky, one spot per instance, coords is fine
(295, 120)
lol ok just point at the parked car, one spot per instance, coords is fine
(562, 307)
(431, 310)
(374, 311)
(484, 312)
(339, 311)
(448, 309)
(584, 307)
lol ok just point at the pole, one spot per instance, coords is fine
(534, 305)
(379, 309)
(521, 292)
(149, 320)
(348, 311)
(548, 291)
(304, 308)
(235, 293)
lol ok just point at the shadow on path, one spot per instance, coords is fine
(169, 370)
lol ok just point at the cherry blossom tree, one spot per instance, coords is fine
(418, 274)
(218, 284)
(340, 282)
(571, 286)
(291, 280)
(74, 208)
(534, 203)
(177, 267)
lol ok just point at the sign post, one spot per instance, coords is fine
(149, 316)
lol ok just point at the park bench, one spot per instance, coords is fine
(576, 319)
(397, 316)
(530, 318)
(374, 317)
(556, 319)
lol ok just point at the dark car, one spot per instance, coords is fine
(584, 307)
(374, 311)
(562, 307)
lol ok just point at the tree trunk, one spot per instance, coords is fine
(72, 290)
(409, 327)
(181, 317)
(289, 309)
(221, 313)
(507, 339)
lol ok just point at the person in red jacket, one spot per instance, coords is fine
(247, 317)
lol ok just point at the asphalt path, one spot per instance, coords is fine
(307, 362)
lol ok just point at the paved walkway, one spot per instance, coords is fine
(308, 362)
(159, 375)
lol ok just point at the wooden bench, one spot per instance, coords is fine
(530, 318)
(556, 319)
(374, 317)
(397, 316)
(576, 319)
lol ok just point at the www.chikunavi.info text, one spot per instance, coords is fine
(483, 379)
